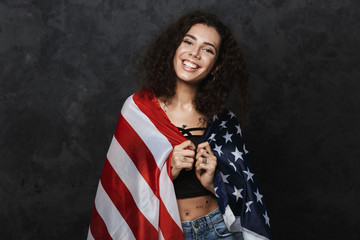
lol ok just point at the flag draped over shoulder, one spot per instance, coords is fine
(135, 198)
(236, 189)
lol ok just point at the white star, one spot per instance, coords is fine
(258, 196)
(214, 117)
(237, 193)
(224, 177)
(215, 192)
(218, 149)
(212, 137)
(232, 164)
(237, 154)
(231, 114)
(227, 137)
(223, 123)
(249, 175)
(267, 219)
(238, 129)
(248, 206)
(245, 151)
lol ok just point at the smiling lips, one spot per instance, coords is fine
(190, 65)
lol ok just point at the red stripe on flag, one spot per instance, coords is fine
(124, 202)
(149, 105)
(168, 226)
(141, 156)
(97, 227)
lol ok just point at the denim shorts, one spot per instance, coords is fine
(210, 226)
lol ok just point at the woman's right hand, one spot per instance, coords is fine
(182, 158)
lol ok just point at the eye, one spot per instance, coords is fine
(187, 42)
(209, 51)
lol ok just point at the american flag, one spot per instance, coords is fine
(135, 198)
(237, 192)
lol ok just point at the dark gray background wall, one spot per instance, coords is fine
(66, 67)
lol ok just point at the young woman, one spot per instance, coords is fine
(177, 167)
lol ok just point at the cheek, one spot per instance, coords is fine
(178, 53)
(176, 57)
(211, 63)
(180, 49)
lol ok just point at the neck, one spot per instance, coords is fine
(184, 95)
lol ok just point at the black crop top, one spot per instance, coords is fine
(186, 184)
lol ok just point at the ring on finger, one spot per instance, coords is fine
(184, 159)
(204, 160)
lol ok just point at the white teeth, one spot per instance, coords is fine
(190, 65)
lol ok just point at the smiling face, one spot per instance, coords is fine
(197, 54)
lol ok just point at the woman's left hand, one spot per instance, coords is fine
(205, 166)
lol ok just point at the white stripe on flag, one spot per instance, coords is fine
(229, 217)
(90, 236)
(167, 195)
(143, 195)
(160, 237)
(115, 224)
(250, 235)
(155, 141)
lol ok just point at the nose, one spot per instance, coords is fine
(194, 52)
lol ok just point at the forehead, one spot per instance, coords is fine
(204, 33)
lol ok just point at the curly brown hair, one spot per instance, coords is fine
(157, 71)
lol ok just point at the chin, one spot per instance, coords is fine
(193, 82)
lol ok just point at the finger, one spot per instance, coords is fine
(188, 159)
(183, 164)
(181, 158)
(187, 165)
(209, 160)
(183, 145)
(187, 153)
(200, 166)
(202, 153)
(187, 144)
(204, 145)
(183, 153)
(201, 160)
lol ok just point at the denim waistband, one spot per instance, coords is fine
(206, 221)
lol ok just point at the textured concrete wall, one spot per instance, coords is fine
(66, 67)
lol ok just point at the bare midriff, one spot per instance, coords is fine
(193, 208)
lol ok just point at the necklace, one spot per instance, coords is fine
(164, 107)
(200, 119)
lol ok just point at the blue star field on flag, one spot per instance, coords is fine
(235, 183)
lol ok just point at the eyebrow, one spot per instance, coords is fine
(206, 43)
